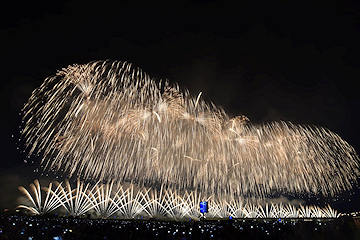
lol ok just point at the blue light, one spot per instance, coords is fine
(203, 207)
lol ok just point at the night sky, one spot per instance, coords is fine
(295, 62)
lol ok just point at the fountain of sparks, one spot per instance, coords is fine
(130, 202)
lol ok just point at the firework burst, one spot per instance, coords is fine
(107, 200)
(107, 121)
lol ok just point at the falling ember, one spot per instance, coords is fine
(107, 121)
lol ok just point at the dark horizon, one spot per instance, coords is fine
(294, 62)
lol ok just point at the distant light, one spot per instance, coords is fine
(203, 207)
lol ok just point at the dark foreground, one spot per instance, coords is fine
(23, 227)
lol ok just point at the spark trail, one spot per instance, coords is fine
(108, 121)
(107, 200)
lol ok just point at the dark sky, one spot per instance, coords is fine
(271, 61)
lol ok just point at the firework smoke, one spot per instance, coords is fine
(107, 121)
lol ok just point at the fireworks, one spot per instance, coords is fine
(106, 201)
(40, 206)
(107, 121)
